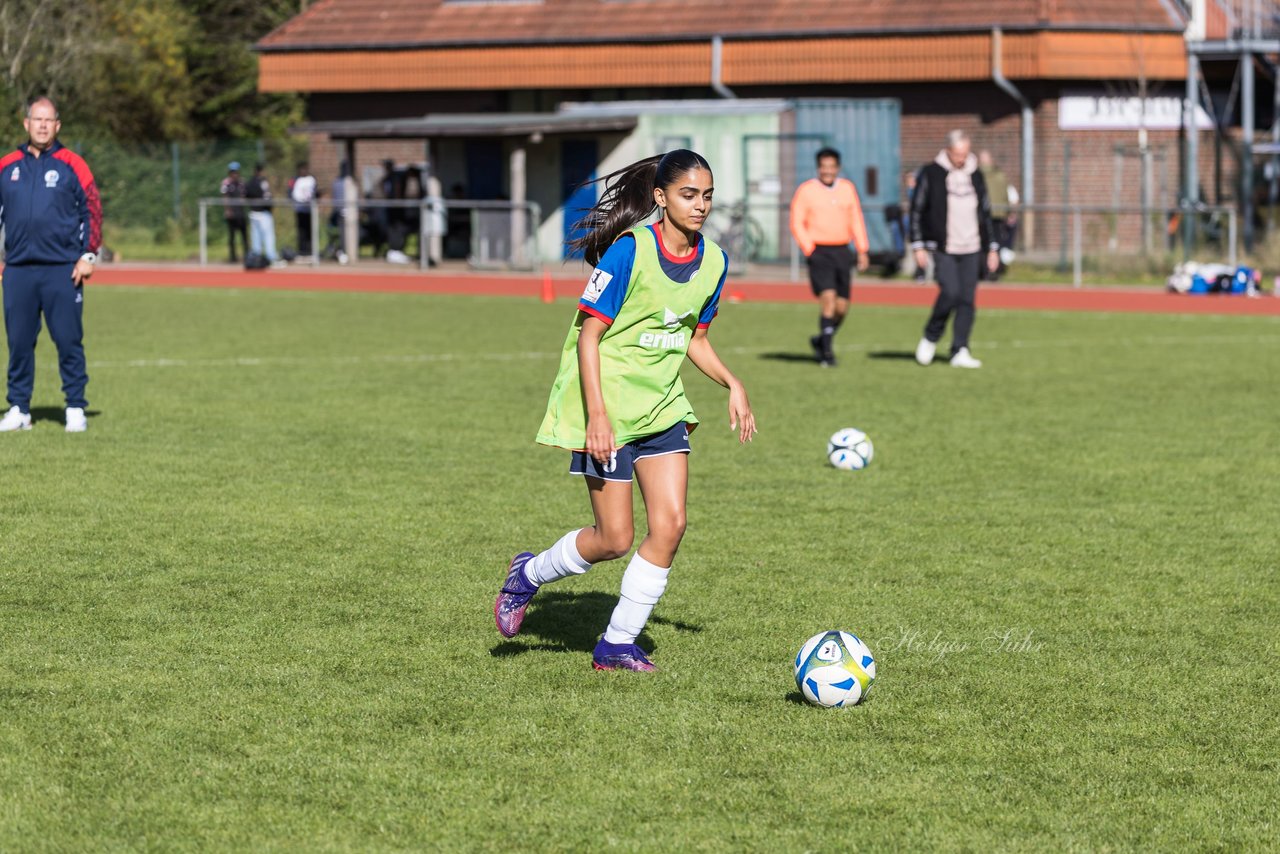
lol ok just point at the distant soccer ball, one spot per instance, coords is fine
(835, 669)
(850, 449)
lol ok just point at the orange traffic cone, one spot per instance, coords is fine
(548, 289)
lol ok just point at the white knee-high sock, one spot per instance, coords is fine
(642, 586)
(558, 561)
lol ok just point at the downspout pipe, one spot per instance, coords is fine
(1028, 116)
(717, 68)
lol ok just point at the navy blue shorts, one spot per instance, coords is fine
(622, 467)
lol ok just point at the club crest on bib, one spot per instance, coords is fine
(51, 178)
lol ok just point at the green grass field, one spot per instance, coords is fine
(250, 609)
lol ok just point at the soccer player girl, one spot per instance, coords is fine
(618, 403)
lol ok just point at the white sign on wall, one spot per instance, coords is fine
(1094, 110)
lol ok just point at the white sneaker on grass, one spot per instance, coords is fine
(76, 421)
(964, 359)
(925, 350)
(15, 419)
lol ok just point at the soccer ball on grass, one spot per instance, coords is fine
(835, 669)
(850, 449)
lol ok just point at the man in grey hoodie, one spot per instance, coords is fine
(951, 217)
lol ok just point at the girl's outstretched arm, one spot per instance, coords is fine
(704, 356)
(599, 429)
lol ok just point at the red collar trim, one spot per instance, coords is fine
(677, 259)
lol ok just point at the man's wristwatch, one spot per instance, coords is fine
(90, 257)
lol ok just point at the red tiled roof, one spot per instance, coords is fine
(363, 24)
(1027, 55)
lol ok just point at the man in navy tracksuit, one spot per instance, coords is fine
(52, 219)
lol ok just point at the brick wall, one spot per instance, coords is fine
(1072, 167)
(326, 156)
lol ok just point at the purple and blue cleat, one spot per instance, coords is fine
(513, 598)
(620, 656)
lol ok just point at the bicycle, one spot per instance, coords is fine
(742, 237)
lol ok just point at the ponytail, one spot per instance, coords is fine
(628, 199)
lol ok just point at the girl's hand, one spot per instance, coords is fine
(600, 446)
(740, 416)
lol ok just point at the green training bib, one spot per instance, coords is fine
(640, 353)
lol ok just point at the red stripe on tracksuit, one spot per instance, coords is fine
(93, 202)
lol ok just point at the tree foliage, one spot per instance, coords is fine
(225, 69)
(46, 47)
(135, 70)
(142, 78)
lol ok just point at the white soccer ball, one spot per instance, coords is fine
(835, 669)
(850, 449)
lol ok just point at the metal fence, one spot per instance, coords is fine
(1116, 238)
(154, 186)
(487, 234)
(1104, 238)
(759, 234)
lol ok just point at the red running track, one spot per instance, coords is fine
(1032, 298)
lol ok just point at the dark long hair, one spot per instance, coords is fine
(628, 199)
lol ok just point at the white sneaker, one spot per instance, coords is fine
(76, 422)
(964, 359)
(279, 264)
(15, 419)
(395, 256)
(925, 350)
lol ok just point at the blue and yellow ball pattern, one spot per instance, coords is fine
(835, 669)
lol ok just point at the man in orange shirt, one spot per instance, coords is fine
(825, 217)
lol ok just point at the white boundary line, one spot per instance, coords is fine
(532, 355)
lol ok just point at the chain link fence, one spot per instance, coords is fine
(161, 200)
(151, 192)
(1120, 241)
(1081, 239)
(487, 234)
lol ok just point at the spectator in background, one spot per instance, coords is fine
(337, 217)
(951, 218)
(303, 191)
(435, 229)
(826, 216)
(237, 215)
(414, 189)
(262, 225)
(378, 217)
(1002, 194)
(396, 220)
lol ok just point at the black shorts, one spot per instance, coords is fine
(831, 267)
(673, 440)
